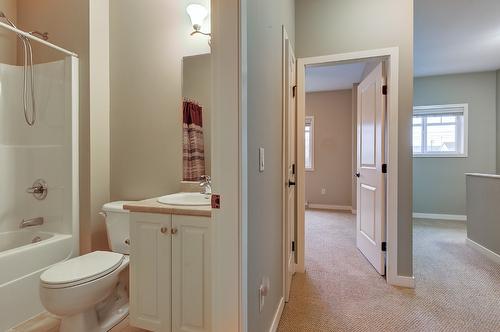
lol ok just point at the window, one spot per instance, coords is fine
(440, 131)
(309, 144)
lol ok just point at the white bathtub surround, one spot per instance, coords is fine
(48, 151)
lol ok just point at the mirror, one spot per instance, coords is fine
(196, 93)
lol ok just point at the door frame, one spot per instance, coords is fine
(284, 159)
(391, 57)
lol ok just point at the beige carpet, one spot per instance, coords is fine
(457, 288)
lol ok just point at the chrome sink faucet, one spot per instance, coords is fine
(206, 185)
(31, 222)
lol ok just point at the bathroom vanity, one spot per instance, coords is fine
(170, 269)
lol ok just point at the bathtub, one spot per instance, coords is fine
(24, 255)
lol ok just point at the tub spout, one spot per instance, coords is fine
(31, 222)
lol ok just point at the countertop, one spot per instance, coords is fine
(153, 206)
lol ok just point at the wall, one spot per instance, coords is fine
(329, 27)
(8, 40)
(332, 111)
(197, 85)
(99, 119)
(483, 211)
(146, 95)
(439, 183)
(498, 120)
(265, 246)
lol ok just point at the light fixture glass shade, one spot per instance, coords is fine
(198, 14)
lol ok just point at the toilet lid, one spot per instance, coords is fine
(83, 268)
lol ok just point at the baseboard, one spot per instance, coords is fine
(483, 250)
(330, 207)
(277, 316)
(402, 281)
(457, 217)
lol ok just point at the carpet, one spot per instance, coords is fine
(457, 288)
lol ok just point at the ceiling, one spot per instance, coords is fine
(333, 77)
(456, 36)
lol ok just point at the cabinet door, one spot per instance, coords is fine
(150, 271)
(191, 271)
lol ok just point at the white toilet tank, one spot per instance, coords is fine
(117, 226)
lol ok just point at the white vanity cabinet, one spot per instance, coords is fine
(170, 269)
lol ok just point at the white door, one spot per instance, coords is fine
(290, 156)
(191, 270)
(150, 271)
(371, 189)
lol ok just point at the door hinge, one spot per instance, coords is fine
(384, 246)
(384, 168)
(294, 91)
(293, 246)
(384, 90)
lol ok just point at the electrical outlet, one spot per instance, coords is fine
(323, 191)
(263, 291)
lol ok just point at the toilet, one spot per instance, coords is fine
(85, 291)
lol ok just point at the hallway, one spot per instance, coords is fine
(457, 288)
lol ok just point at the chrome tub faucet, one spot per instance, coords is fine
(31, 222)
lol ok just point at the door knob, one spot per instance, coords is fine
(174, 231)
(164, 230)
(358, 174)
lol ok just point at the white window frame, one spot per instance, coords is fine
(310, 119)
(451, 108)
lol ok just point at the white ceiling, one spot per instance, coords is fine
(456, 36)
(331, 78)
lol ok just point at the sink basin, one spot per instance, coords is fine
(186, 199)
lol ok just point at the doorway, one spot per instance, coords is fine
(378, 218)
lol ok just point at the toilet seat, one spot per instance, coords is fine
(82, 269)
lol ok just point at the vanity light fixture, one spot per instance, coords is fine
(197, 13)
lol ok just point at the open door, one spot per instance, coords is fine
(290, 147)
(371, 187)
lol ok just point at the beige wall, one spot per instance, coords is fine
(8, 40)
(328, 27)
(197, 85)
(148, 40)
(332, 112)
(264, 25)
(99, 119)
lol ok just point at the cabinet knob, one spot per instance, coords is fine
(174, 230)
(164, 230)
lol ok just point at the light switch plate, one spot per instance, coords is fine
(261, 159)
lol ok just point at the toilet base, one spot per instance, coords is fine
(103, 317)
